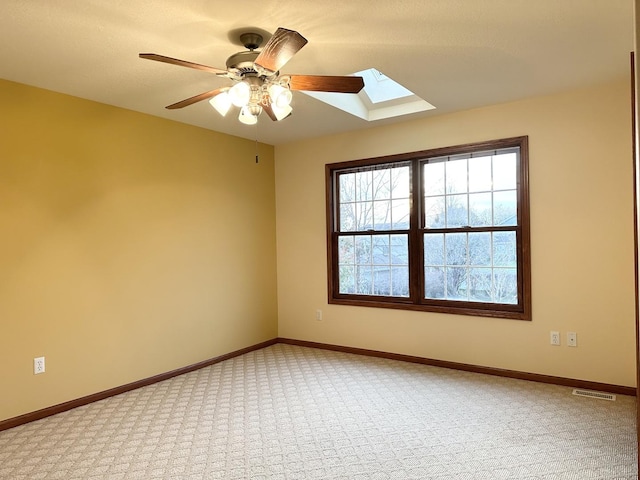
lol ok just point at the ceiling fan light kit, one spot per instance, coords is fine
(259, 87)
(249, 114)
(221, 102)
(251, 94)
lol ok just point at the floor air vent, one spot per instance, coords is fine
(593, 394)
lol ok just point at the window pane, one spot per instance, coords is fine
(434, 282)
(433, 178)
(400, 281)
(348, 217)
(456, 176)
(347, 279)
(505, 283)
(347, 187)
(434, 212)
(374, 264)
(480, 214)
(504, 171)
(457, 213)
(433, 249)
(400, 182)
(480, 249)
(365, 199)
(382, 280)
(504, 249)
(364, 216)
(364, 279)
(381, 184)
(382, 215)
(400, 211)
(456, 248)
(346, 250)
(363, 250)
(364, 186)
(505, 208)
(381, 250)
(480, 285)
(480, 174)
(456, 283)
(399, 249)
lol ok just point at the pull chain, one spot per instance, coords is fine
(257, 157)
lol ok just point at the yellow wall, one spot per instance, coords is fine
(132, 245)
(129, 246)
(582, 240)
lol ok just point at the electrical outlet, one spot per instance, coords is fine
(319, 315)
(555, 338)
(38, 365)
(572, 339)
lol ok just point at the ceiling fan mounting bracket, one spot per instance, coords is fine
(251, 40)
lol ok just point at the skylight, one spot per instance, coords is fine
(381, 97)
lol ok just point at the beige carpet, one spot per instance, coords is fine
(289, 412)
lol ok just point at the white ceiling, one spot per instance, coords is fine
(456, 54)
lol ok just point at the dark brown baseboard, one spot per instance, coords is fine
(63, 407)
(532, 377)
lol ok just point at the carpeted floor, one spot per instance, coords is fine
(287, 412)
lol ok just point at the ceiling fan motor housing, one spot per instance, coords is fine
(241, 63)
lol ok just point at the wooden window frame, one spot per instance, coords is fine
(416, 300)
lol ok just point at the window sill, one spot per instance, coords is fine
(510, 312)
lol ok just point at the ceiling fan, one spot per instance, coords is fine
(258, 85)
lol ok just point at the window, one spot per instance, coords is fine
(444, 230)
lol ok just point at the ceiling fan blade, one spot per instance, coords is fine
(269, 111)
(282, 45)
(181, 63)
(326, 83)
(196, 99)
